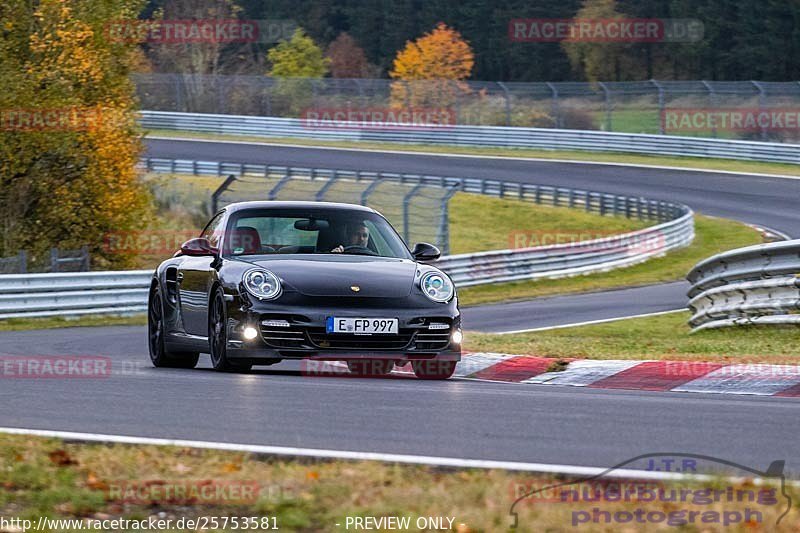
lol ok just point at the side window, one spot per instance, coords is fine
(213, 230)
(377, 238)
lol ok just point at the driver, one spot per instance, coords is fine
(357, 235)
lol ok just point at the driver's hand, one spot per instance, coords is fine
(339, 249)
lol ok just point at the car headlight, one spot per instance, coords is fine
(262, 284)
(437, 287)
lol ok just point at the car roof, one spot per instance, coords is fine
(272, 204)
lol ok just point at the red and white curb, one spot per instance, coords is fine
(664, 376)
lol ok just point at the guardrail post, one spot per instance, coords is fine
(661, 128)
(85, 258)
(444, 222)
(507, 97)
(324, 189)
(221, 189)
(406, 215)
(273, 193)
(761, 97)
(608, 105)
(23, 262)
(556, 112)
(365, 194)
(53, 259)
(712, 102)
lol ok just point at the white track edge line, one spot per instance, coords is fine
(364, 456)
(476, 156)
(587, 323)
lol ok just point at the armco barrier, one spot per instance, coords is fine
(505, 137)
(42, 295)
(73, 294)
(752, 285)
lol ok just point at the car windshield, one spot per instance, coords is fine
(311, 231)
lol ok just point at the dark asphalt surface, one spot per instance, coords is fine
(559, 310)
(456, 418)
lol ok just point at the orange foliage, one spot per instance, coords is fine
(68, 186)
(441, 58)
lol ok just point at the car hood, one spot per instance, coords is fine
(335, 276)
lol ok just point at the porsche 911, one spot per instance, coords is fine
(271, 281)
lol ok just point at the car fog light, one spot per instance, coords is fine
(250, 333)
(457, 336)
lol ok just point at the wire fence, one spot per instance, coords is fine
(56, 261)
(417, 205)
(751, 110)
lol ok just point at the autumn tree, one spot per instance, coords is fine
(430, 70)
(600, 61)
(299, 57)
(347, 59)
(69, 181)
(296, 62)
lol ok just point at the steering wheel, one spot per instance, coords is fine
(359, 249)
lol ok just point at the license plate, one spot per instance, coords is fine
(361, 326)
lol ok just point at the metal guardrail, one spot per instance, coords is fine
(505, 137)
(43, 295)
(625, 106)
(572, 259)
(752, 285)
(74, 294)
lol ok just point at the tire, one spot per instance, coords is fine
(370, 367)
(218, 336)
(159, 356)
(434, 369)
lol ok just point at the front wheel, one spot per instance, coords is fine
(160, 357)
(433, 369)
(218, 336)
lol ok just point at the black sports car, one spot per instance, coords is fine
(268, 281)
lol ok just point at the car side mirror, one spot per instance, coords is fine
(425, 252)
(198, 247)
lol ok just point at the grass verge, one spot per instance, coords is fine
(20, 324)
(479, 223)
(728, 165)
(49, 477)
(713, 235)
(663, 337)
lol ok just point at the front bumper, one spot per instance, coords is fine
(298, 331)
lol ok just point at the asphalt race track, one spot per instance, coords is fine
(456, 418)
(574, 308)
